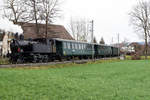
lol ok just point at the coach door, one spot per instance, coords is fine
(53, 46)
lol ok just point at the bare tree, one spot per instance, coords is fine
(34, 10)
(140, 18)
(102, 41)
(79, 28)
(49, 11)
(14, 10)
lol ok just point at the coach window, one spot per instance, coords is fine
(72, 45)
(79, 46)
(82, 47)
(64, 45)
(76, 46)
(68, 45)
(91, 46)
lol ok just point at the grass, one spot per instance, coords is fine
(113, 80)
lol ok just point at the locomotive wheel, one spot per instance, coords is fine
(45, 59)
(20, 60)
(61, 59)
(40, 61)
(34, 59)
(80, 57)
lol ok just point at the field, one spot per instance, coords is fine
(117, 80)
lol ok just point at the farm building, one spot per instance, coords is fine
(1, 38)
(54, 31)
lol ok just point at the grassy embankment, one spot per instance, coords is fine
(141, 57)
(110, 80)
(4, 61)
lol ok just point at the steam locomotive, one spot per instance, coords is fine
(50, 49)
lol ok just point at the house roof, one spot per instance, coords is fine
(54, 31)
(139, 43)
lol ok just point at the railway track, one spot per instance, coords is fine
(42, 64)
(50, 63)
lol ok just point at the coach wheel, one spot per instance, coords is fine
(68, 58)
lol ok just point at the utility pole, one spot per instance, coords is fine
(112, 41)
(118, 44)
(92, 40)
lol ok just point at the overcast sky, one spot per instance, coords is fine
(110, 17)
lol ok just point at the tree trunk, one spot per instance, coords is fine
(35, 16)
(46, 30)
(146, 44)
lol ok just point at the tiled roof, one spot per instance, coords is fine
(54, 31)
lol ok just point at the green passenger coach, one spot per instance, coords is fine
(71, 48)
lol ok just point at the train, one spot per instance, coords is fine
(50, 49)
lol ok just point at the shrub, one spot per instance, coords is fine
(136, 57)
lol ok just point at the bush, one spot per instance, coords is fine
(127, 57)
(136, 57)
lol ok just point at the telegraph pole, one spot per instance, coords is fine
(118, 44)
(112, 41)
(92, 40)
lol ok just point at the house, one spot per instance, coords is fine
(139, 47)
(125, 48)
(1, 39)
(54, 31)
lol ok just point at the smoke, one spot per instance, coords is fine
(8, 26)
(1, 7)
